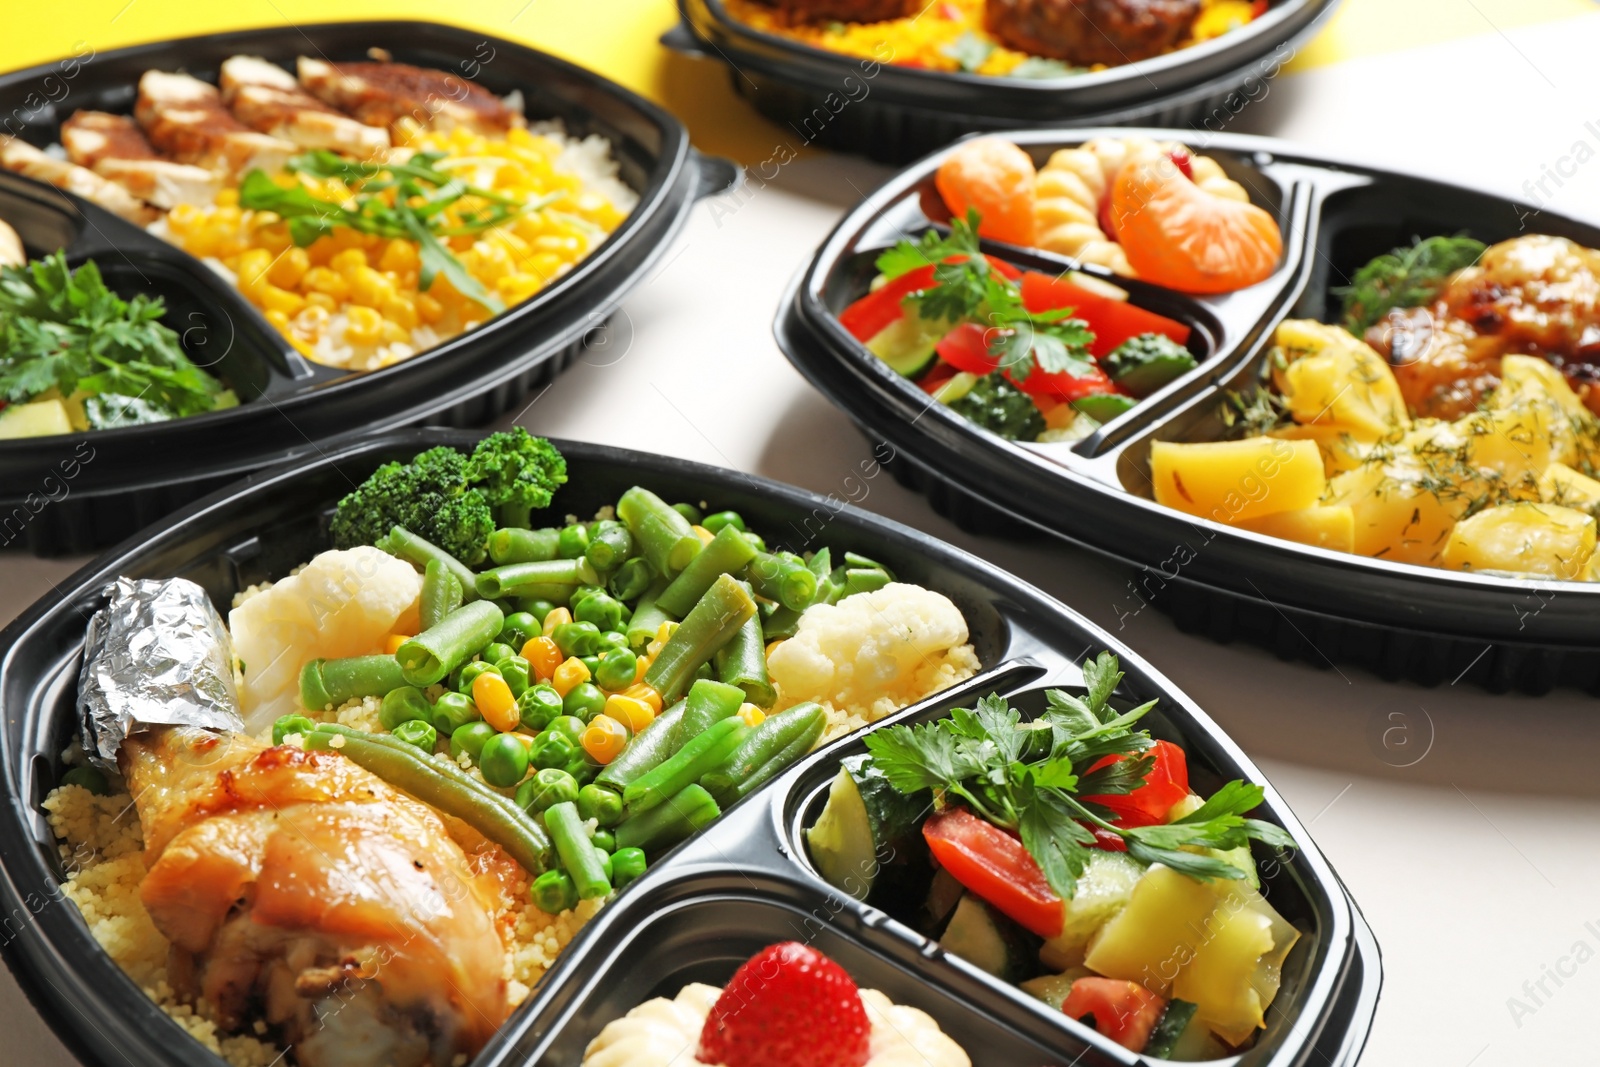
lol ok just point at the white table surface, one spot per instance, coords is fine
(1476, 864)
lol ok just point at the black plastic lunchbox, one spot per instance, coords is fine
(740, 885)
(75, 492)
(894, 114)
(1425, 624)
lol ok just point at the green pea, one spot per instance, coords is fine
(503, 761)
(757, 540)
(605, 860)
(550, 785)
(419, 733)
(690, 512)
(577, 638)
(582, 593)
(291, 724)
(627, 864)
(403, 705)
(452, 710)
(584, 701)
(499, 650)
(603, 839)
(469, 674)
(538, 706)
(582, 768)
(516, 672)
(602, 609)
(88, 778)
(716, 522)
(520, 628)
(614, 639)
(570, 725)
(470, 739)
(538, 607)
(554, 892)
(600, 804)
(591, 662)
(553, 749)
(617, 669)
(572, 542)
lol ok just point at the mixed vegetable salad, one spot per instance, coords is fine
(1068, 853)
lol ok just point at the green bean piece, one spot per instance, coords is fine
(821, 563)
(767, 751)
(470, 738)
(602, 839)
(553, 594)
(552, 749)
(469, 674)
(441, 784)
(290, 724)
(518, 674)
(417, 551)
(582, 767)
(852, 559)
(520, 628)
(403, 704)
(609, 544)
(617, 670)
(716, 522)
(503, 761)
(578, 856)
(784, 578)
(524, 579)
(864, 580)
(699, 754)
(646, 751)
(726, 553)
(725, 607)
(452, 711)
(605, 859)
(584, 701)
(647, 618)
(539, 706)
(631, 579)
(757, 540)
(572, 542)
(440, 649)
(441, 593)
(577, 638)
(743, 662)
(660, 534)
(537, 607)
(689, 512)
(600, 804)
(327, 683)
(664, 825)
(423, 735)
(549, 785)
(709, 702)
(511, 545)
(554, 892)
(600, 608)
(86, 777)
(627, 865)
(781, 624)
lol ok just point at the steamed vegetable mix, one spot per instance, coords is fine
(1069, 854)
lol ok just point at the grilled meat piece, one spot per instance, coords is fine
(267, 98)
(114, 147)
(24, 159)
(390, 94)
(1090, 32)
(184, 118)
(299, 888)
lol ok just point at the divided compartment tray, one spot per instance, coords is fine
(704, 908)
(75, 492)
(894, 114)
(1402, 621)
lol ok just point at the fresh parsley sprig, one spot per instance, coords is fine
(1032, 778)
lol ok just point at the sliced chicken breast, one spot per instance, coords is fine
(22, 158)
(11, 253)
(267, 98)
(184, 118)
(114, 147)
(390, 94)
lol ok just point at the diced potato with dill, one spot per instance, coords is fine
(1546, 540)
(1321, 527)
(1329, 378)
(1560, 484)
(1231, 481)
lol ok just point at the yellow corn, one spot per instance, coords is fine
(543, 656)
(645, 693)
(365, 326)
(290, 267)
(567, 677)
(632, 712)
(604, 739)
(392, 645)
(557, 617)
(751, 715)
(275, 299)
(253, 266)
(326, 280)
(493, 697)
(398, 255)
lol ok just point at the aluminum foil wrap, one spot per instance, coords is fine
(156, 655)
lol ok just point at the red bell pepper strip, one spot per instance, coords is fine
(994, 865)
(1124, 1011)
(1113, 321)
(1165, 785)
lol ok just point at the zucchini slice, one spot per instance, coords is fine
(989, 941)
(869, 837)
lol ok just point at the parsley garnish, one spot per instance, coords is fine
(969, 51)
(1403, 278)
(1032, 777)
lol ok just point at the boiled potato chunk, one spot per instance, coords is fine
(1323, 527)
(1151, 939)
(1104, 888)
(1231, 481)
(1560, 484)
(1540, 539)
(1237, 965)
(38, 419)
(1332, 379)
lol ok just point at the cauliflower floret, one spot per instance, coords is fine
(343, 603)
(873, 653)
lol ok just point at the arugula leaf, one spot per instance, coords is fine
(436, 259)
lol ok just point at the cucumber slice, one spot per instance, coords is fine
(1169, 1028)
(905, 344)
(1053, 988)
(1104, 889)
(869, 836)
(1103, 407)
(987, 940)
(943, 896)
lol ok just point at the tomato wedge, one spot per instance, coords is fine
(867, 317)
(1165, 785)
(1113, 321)
(1124, 1011)
(967, 348)
(1063, 386)
(995, 866)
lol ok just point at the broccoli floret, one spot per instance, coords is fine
(517, 473)
(1001, 408)
(1145, 363)
(428, 496)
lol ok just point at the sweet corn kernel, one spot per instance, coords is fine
(751, 715)
(253, 266)
(322, 301)
(289, 268)
(277, 318)
(569, 675)
(227, 198)
(346, 261)
(392, 645)
(400, 311)
(493, 697)
(275, 299)
(398, 255)
(557, 617)
(632, 712)
(368, 287)
(543, 656)
(604, 739)
(326, 280)
(645, 693)
(772, 645)
(365, 327)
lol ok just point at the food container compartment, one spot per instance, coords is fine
(894, 114)
(1423, 624)
(275, 520)
(143, 472)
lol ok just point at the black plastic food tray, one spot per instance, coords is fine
(895, 114)
(1425, 624)
(740, 885)
(74, 492)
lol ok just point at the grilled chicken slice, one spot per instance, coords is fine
(300, 889)
(24, 159)
(184, 118)
(11, 253)
(389, 94)
(114, 147)
(266, 97)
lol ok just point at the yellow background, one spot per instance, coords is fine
(619, 37)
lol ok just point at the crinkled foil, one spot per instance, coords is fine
(156, 654)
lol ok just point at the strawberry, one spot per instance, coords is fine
(788, 1006)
